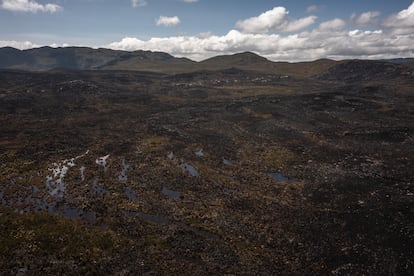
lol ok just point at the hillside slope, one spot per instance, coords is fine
(82, 58)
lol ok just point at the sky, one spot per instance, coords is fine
(280, 30)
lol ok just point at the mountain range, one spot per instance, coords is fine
(82, 58)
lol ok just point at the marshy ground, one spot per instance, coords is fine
(228, 172)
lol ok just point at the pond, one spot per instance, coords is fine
(227, 162)
(190, 169)
(98, 189)
(131, 194)
(122, 176)
(101, 161)
(279, 177)
(170, 193)
(199, 153)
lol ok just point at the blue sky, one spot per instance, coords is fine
(277, 29)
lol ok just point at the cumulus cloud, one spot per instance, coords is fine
(331, 25)
(138, 3)
(330, 39)
(167, 21)
(333, 43)
(29, 6)
(56, 45)
(274, 20)
(365, 19)
(403, 19)
(22, 45)
(200, 47)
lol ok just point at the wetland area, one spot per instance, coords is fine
(210, 172)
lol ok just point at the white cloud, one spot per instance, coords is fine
(138, 3)
(313, 8)
(365, 19)
(22, 45)
(331, 39)
(299, 24)
(167, 21)
(326, 43)
(404, 19)
(274, 20)
(190, 1)
(55, 45)
(331, 25)
(29, 6)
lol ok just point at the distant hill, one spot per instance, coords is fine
(253, 62)
(47, 58)
(364, 70)
(240, 60)
(82, 58)
(79, 58)
(400, 60)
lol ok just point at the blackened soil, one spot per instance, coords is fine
(347, 150)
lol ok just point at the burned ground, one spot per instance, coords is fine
(211, 173)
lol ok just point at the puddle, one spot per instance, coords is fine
(199, 153)
(147, 217)
(19, 200)
(170, 193)
(104, 226)
(27, 201)
(54, 183)
(131, 194)
(35, 189)
(39, 205)
(82, 173)
(30, 200)
(2, 200)
(89, 216)
(122, 176)
(190, 169)
(215, 182)
(152, 218)
(98, 189)
(230, 191)
(56, 188)
(70, 213)
(101, 161)
(227, 162)
(203, 233)
(170, 155)
(279, 177)
(76, 213)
